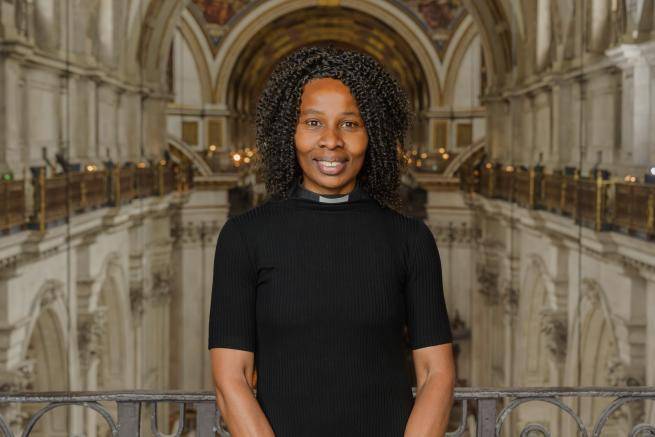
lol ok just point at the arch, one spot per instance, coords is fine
(538, 315)
(251, 23)
(542, 345)
(471, 152)
(188, 153)
(195, 46)
(599, 359)
(462, 45)
(50, 296)
(46, 349)
(496, 33)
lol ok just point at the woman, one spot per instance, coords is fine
(313, 288)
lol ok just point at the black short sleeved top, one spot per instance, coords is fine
(321, 294)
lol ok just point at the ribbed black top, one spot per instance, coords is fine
(320, 292)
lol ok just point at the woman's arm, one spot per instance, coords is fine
(435, 383)
(233, 372)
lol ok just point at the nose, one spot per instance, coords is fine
(331, 139)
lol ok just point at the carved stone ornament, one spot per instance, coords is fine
(554, 328)
(204, 232)
(18, 379)
(91, 329)
(591, 292)
(488, 280)
(50, 293)
(452, 233)
(161, 283)
(137, 300)
(510, 300)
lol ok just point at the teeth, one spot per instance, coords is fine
(330, 163)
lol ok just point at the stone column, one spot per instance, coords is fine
(637, 62)
(450, 219)
(195, 231)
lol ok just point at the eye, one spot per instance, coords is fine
(350, 124)
(312, 122)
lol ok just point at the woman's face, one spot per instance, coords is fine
(330, 137)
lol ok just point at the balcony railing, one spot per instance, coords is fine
(58, 197)
(490, 409)
(598, 203)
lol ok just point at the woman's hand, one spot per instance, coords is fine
(234, 378)
(435, 385)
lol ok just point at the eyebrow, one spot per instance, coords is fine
(317, 112)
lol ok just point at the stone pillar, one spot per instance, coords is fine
(451, 221)
(650, 341)
(637, 62)
(195, 231)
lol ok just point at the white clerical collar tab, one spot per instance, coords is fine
(333, 199)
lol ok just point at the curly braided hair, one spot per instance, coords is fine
(382, 103)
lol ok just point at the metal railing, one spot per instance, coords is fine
(597, 203)
(490, 407)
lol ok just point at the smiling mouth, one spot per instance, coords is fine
(330, 167)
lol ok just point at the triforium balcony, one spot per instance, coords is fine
(481, 412)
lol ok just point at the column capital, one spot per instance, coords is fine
(626, 56)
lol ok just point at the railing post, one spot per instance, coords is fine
(532, 196)
(650, 218)
(129, 419)
(486, 420)
(160, 180)
(39, 202)
(600, 203)
(205, 419)
(117, 186)
(492, 180)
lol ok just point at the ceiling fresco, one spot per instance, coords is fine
(439, 18)
(215, 17)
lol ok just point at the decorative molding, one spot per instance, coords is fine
(554, 328)
(137, 300)
(161, 284)
(488, 280)
(196, 232)
(19, 379)
(591, 292)
(90, 331)
(451, 233)
(510, 300)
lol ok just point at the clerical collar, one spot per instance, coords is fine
(301, 192)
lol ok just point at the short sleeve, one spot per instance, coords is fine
(427, 316)
(232, 321)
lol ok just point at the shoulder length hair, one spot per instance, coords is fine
(382, 103)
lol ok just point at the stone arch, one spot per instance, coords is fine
(199, 51)
(186, 151)
(108, 315)
(461, 47)
(45, 350)
(541, 348)
(261, 15)
(544, 325)
(496, 38)
(598, 355)
(471, 153)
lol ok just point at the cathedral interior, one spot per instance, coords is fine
(127, 139)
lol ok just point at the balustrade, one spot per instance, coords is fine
(489, 408)
(12, 205)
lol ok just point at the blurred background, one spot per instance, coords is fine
(127, 139)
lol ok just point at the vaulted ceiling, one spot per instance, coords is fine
(337, 26)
